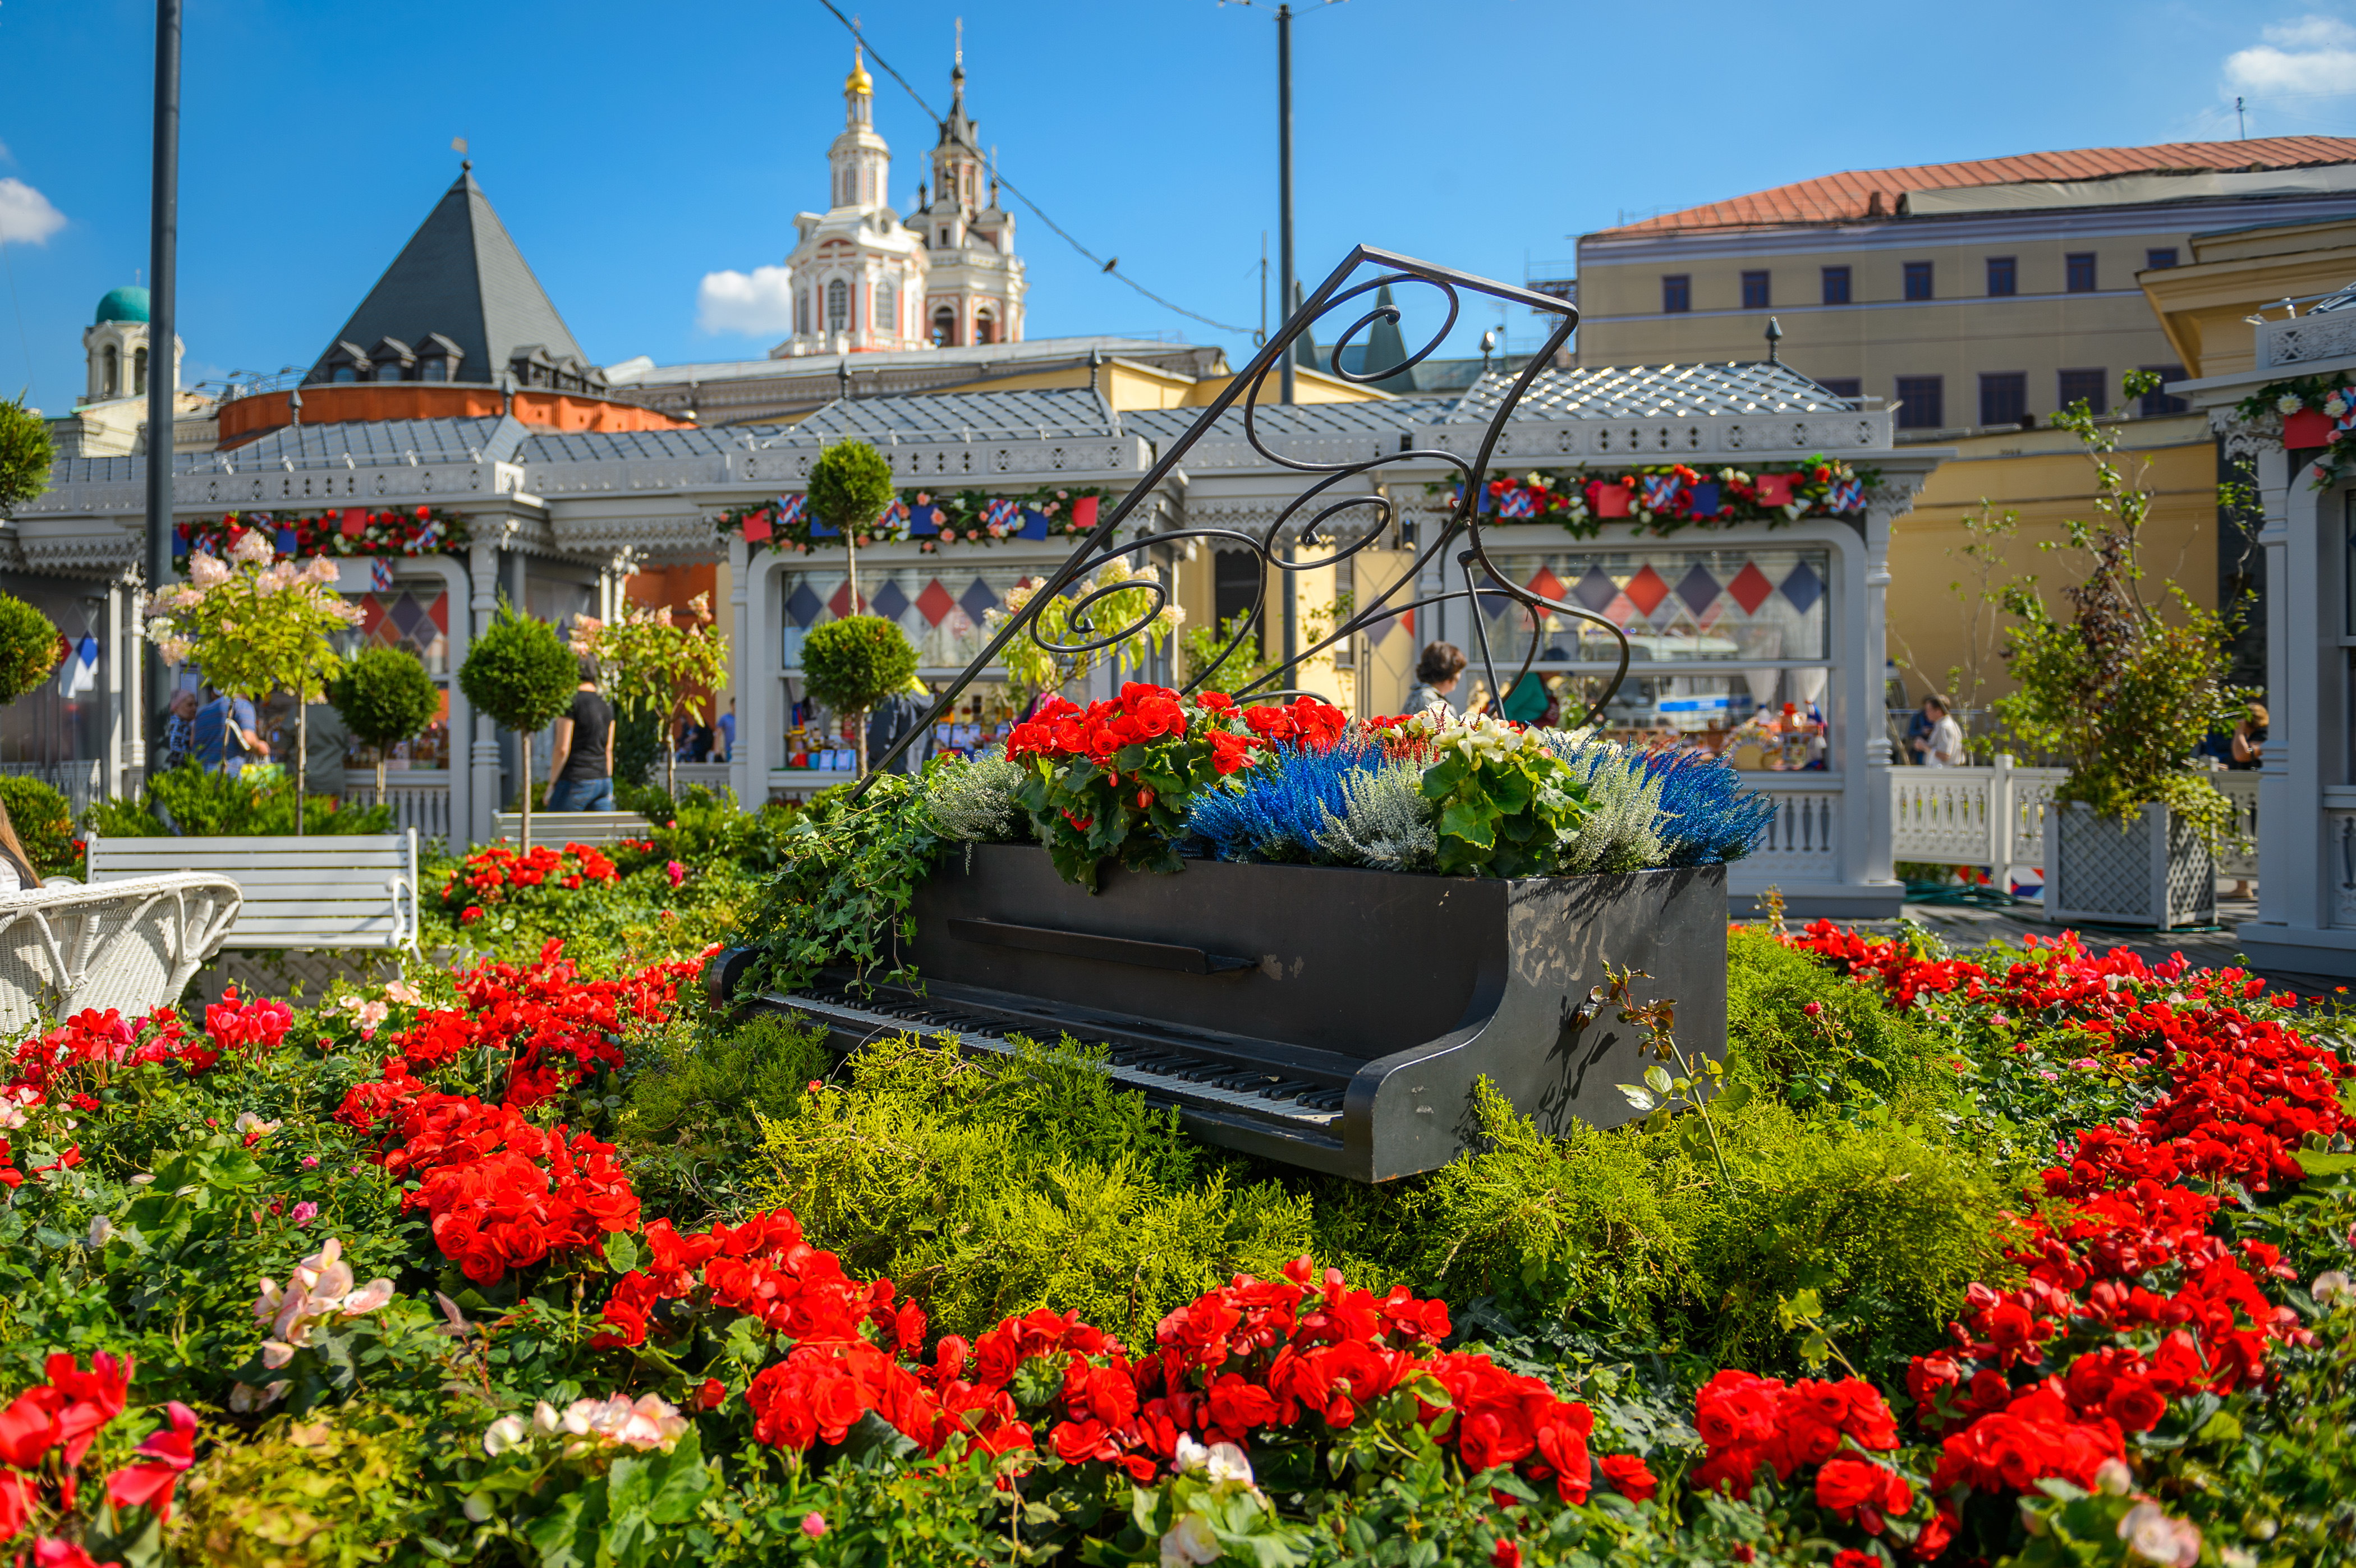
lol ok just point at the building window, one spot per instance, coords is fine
(1918, 280)
(1843, 386)
(1676, 293)
(139, 372)
(887, 308)
(1754, 290)
(801, 313)
(944, 328)
(2079, 272)
(346, 371)
(389, 371)
(1837, 285)
(1922, 401)
(985, 329)
(837, 306)
(2089, 387)
(112, 368)
(2004, 275)
(2004, 398)
(434, 369)
(2159, 259)
(2156, 401)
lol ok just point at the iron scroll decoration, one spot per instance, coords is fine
(1462, 526)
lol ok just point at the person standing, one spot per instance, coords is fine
(1437, 674)
(894, 717)
(179, 729)
(2250, 740)
(228, 736)
(583, 751)
(727, 752)
(1944, 746)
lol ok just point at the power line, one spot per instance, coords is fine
(1105, 266)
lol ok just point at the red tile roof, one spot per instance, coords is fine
(1873, 193)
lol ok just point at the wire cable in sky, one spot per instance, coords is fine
(1106, 266)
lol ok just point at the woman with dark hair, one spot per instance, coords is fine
(17, 873)
(1437, 674)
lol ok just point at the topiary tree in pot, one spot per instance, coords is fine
(29, 649)
(25, 455)
(854, 664)
(522, 674)
(850, 485)
(2128, 686)
(384, 697)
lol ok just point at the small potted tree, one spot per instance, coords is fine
(850, 485)
(384, 697)
(2125, 690)
(522, 674)
(655, 661)
(854, 664)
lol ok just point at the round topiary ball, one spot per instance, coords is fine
(29, 647)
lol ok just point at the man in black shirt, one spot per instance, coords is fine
(584, 751)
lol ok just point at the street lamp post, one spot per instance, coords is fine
(164, 226)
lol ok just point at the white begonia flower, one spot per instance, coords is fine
(252, 1122)
(2153, 1536)
(101, 1231)
(2113, 1478)
(2328, 1286)
(1190, 1541)
(1228, 1464)
(502, 1434)
(2289, 403)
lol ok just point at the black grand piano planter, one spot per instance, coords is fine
(1331, 1017)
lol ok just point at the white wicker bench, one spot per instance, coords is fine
(557, 828)
(132, 944)
(330, 892)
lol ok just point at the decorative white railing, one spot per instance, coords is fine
(79, 783)
(1803, 839)
(1995, 816)
(419, 799)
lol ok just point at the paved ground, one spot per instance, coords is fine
(1973, 925)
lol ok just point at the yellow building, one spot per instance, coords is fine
(2268, 268)
(1973, 294)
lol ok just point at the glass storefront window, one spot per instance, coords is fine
(939, 605)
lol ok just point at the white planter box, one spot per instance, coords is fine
(2155, 871)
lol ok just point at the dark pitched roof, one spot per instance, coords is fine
(462, 276)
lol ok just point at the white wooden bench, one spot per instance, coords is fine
(555, 829)
(131, 944)
(327, 891)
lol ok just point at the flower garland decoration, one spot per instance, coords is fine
(2315, 411)
(349, 530)
(1661, 498)
(932, 521)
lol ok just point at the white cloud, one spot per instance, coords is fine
(2313, 56)
(26, 216)
(750, 304)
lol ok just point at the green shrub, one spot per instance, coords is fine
(201, 803)
(850, 485)
(44, 824)
(25, 455)
(384, 697)
(1853, 1051)
(691, 1110)
(29, 647)
(986, 1188)
(338, 1491)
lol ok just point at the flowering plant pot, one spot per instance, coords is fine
(1330, 1017)
(2155, 871)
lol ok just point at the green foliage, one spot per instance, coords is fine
(338, 1491)
(520, 673)
(44, 822)
(850, 485)
(1851, 1052)
(25, 455)
(639, 746)
(986, 1188)
(692, 1102)
(851, 664)
(1201, 646)
(2124, 694)
(842, 895)
(29, 649)
(385, 697)
(1505, 803)
(199, 802)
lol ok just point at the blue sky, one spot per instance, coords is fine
(633, 149)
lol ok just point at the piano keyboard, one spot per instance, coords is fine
(1165, 1074)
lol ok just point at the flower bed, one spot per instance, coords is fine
(468, 1269)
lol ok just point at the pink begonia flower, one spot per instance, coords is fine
(321, 1288)
(676, 871)
(310, 1162)
(647, 1423)
(304, 1212)
(814, 1524)
(403, 992)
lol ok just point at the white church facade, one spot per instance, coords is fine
(865, 280)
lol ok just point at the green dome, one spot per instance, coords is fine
(127, 303)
